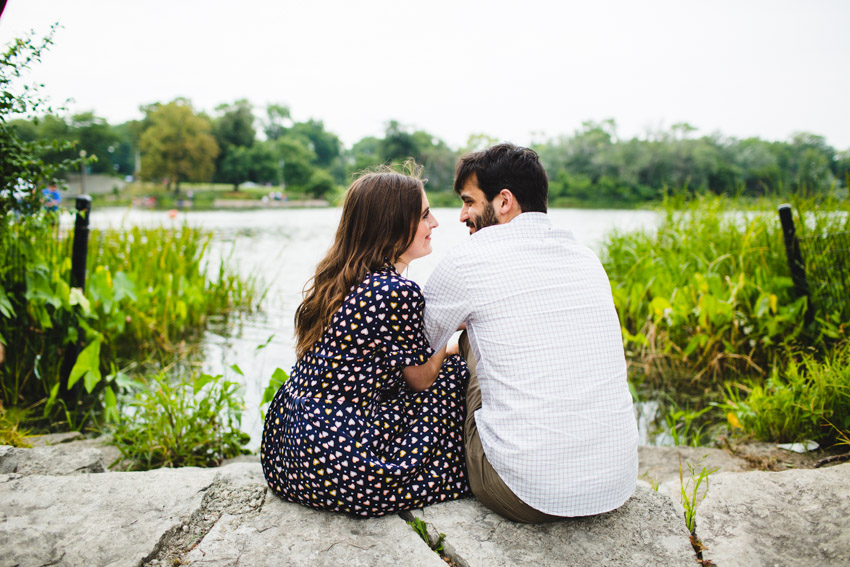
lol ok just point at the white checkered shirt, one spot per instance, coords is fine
(556, 420)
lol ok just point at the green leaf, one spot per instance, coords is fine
(77, 297)
(110, 404)
(658, 306)
(278, 379)
(264, 345)
(202, 381)
(87, 366)
(51, 400)
(237, 370)
(6, 306)
(123, 286)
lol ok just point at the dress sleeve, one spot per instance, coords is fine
(446, 302)
(400, 326)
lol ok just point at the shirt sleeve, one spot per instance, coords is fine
(446, 302)
(400, 327)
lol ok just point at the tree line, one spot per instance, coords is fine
(238, 143)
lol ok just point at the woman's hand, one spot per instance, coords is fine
(421, 377)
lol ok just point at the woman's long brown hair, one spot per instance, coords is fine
(379, 221)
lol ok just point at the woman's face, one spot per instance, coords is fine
(421, 245)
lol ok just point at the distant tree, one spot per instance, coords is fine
(278, 120)
(177, 145)
(297, 160)
(325, 145)
(235, 125)
(476, 142)
(94, 135)
(812, 161)
(398, 144)
(321, 184)
(259, 163)
(22, 168)
(365, 153)
(234, 132)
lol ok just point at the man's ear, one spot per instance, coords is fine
(506, 206)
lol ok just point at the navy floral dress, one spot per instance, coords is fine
(345, 432)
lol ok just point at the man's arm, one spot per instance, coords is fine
(446, 303)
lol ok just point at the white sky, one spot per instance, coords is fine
(515, 70)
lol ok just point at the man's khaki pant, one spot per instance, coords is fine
(484, 481)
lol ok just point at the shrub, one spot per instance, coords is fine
(181, 422)
(808, 399)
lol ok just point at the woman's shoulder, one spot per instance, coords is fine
(386, 282)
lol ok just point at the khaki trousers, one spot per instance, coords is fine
(486, 485)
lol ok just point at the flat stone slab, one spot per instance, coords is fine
(64, 459)
(647, 530)
(54, 438)
(798, 517)
(285, 534)
(107, 519)
(658, 465)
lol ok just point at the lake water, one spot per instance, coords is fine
(282, 246)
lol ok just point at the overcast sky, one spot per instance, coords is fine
(514, 70)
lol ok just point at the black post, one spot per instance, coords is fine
(79, 257)
(81, 242)
(795, 259)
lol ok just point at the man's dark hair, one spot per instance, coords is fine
(506, 166)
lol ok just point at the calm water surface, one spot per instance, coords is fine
(282, 247)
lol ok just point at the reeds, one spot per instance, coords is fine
(147, 292)
(707, 300)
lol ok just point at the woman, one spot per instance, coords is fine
(371, 419)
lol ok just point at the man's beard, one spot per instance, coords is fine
(485, 219)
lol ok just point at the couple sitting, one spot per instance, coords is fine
(533, 415)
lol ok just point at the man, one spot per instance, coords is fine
(550, 430)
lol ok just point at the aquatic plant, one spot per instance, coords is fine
(173, 421)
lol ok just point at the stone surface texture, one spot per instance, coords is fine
(285, 534)
(647, 530)
(56, 510)
(62, 459)
(108, 519)
(797, 517)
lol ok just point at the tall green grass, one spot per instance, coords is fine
(155, 287)
(706, 301)
(708, 295)
(807, 399)
(147, 292)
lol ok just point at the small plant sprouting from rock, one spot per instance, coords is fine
(690, 492)
(420, 528)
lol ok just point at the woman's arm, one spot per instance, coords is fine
(421, 377)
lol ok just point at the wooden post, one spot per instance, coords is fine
(795, 259)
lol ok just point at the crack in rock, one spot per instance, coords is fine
(439, 544)
(223, 496)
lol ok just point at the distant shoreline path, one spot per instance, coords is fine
(271, 204)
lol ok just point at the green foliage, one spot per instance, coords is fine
(690, 491)
(278, 379)
(10, 431)
(154, 286)
(421, 529)
(594, 165)
(807, 399)
(177, 144)
(708, 295)
(147, 291)
(172, 422)
(685, 428)
(23, 171)
(110, 148)
(400, 144)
